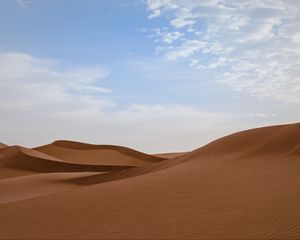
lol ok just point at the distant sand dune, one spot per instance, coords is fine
(2, 145)
(170, 155)
(243, 186)
(77, 152)
(27, 159)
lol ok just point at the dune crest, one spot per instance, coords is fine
(17, 157)
(77, 152)
(170, 155)
(277, 140)
(2, 145)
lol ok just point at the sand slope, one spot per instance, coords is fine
(245, 185)
(170, 155)
(275, 140)
(2, 145)
(77, 152)
(31, 186)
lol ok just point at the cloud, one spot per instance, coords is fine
(171, 36)
(155, 13)
(165, 36)
(187, 49)
(253, 45)
(20, 3)
(23, 3)
(179, 23)
(155, 6)
(296, 38)
(83, 89)
(27, 82)
(262, 115)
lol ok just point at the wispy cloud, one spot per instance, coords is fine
(20, 3)
(23, 3)
(164, 35)
(179, 22)
(262, 115)
(186, 49)
(171, 36)
(28, 82)
(254, 45)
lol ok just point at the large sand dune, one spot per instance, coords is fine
(275, 140)
(245, 185)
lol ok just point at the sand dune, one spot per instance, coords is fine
(245, 185)
(2, 145)
(170, 155)
(16, 157)
(77, 152)
(275, 140)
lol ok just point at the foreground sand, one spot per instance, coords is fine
(246, 185)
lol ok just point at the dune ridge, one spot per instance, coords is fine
(273, 140)
(242, 186)
(28, 159)
(2, 145)
(77, 152)
(170, 155)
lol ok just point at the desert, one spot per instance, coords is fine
(150, 119)
(245, 185)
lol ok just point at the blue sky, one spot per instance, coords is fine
(155, 75)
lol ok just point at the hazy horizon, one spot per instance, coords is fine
(156, 75)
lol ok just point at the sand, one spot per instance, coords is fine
(245, 185)
(76, 152)
(170, 155)
(22, 158)
(2, 145)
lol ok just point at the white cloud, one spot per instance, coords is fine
(83, 89)
(171, 36)
(262, 115)
(20, 3)
(221, 61)
(194, 62)
(187, 49)
(296, 38)
(155, 13)
(256, 42)
(165, 36)
(179, 23)
(156, 5)
(262, 32)
(28, 82)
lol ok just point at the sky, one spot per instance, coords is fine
(154, 75)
